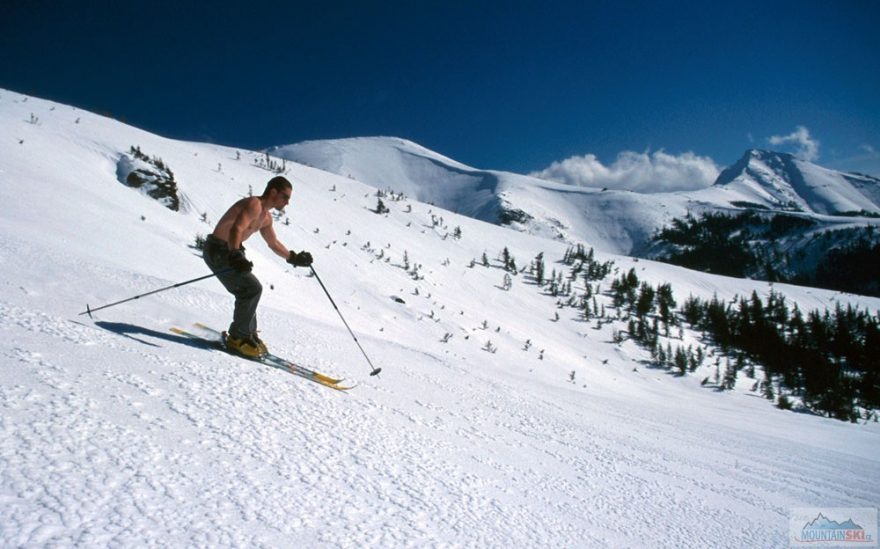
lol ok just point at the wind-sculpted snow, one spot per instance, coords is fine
(114, 431)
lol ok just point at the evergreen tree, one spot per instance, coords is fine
(539, 268)
(665, 305)
(645, 302)
(681, 360)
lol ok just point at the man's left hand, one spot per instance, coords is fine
(301, 259)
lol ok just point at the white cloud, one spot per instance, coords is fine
(632, 171)
(806, 148)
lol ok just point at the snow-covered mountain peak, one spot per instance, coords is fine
(781, 181)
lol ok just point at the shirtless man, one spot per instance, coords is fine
(223, 250)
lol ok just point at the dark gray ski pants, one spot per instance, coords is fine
(244, 286)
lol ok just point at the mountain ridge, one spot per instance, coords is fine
(628, 222)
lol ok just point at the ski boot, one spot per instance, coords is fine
(260, 344)
(249, 347)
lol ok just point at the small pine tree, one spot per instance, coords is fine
(539, 268)
(645, 302)
(681, 361)
(768, 388)
(729, 377)
(783, 403)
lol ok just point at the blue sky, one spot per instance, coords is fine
(501, 85)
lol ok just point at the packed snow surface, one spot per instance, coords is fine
(115, 431)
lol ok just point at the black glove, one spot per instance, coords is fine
(302, 259)
(239, 262)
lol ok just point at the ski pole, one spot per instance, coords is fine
(89, 310)
(375, 370)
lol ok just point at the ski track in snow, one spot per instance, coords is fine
(181, 451)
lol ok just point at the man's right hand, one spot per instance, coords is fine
(239, 262)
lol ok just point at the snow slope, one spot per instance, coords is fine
(615, 221)
(610, 220)
(404, 167)
(115, 431)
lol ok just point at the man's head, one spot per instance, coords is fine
(278, 183)
(278, 188)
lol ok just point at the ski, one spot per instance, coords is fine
(219, 336)
(269, 360)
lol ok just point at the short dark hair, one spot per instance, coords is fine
(278, 183)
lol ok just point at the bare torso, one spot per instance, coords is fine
(238, 223)
(246, 217)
